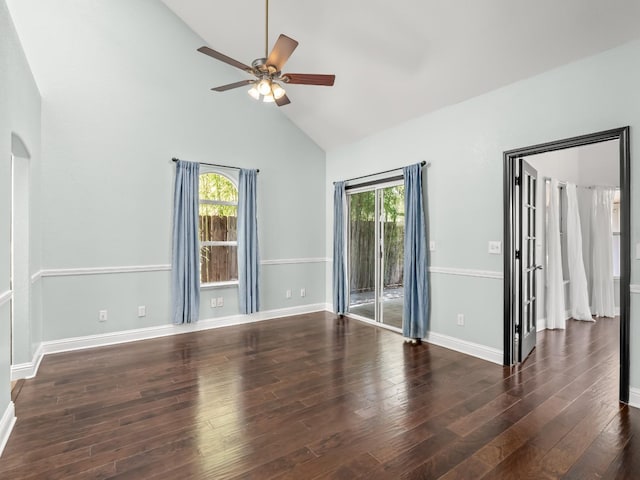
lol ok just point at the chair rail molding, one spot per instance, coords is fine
(289, 261)
(68, 272)
(467, 272)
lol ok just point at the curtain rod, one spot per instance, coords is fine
(562, 183)
(213, 164)
(422, 163)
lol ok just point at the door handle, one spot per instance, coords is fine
(539, 267)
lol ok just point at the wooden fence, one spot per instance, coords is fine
(219, 263)
(362, 255)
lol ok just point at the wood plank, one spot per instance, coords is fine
(310, 397)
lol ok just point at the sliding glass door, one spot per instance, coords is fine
(376, 253)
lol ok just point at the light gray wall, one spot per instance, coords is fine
(599, 164)
(465, 145)
(19, 115)
(124, 91)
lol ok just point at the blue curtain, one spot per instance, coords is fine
(248, 258)
(339, 238)
(185, 271)
(416, 291)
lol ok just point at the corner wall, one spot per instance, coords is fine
(19, 115)
(464, 191)
(124, 91)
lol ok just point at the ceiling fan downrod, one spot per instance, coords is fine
(266, 31)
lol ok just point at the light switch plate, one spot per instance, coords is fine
(637, 251)
(495, 247)
(432, 246)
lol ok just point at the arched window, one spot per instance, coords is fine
(218, 229)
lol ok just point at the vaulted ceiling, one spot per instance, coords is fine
(397, 60)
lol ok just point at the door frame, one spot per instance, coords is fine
(374, 186)
(510, 159)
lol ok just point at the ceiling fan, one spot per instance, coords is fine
(267, 84)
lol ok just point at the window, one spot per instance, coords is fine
(218, 229)
(615, 228)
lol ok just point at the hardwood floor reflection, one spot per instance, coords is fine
(312, 396)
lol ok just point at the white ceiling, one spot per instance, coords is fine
(397, 60)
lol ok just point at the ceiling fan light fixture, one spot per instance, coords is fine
(277, 91)
(264, 86)
(267, 71)
(253, 91)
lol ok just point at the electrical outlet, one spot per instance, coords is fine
(102, 316)
(303, 292)
(288, 293)
(213, 303)
(461, 319)
(220, 301)
(142, 311)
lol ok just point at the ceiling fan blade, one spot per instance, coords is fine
(282, 101)
(223, 58)
(281, 52)
(309, 79)
(231, 86)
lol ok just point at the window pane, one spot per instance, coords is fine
(362, 213)
(615, 218)
(616, 255)
(218, 223)
(218, 264)
(214, 186)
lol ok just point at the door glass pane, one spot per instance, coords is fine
(392, 233)
(362, 265)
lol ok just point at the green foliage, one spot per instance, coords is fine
(393, 201)
(214, 186)
(362, 205)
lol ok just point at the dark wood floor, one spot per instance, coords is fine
(313, 397)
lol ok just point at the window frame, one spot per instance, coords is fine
(233, 177)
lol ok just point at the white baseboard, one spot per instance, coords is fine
(474, 349)
(7, 422)
(29, 369)
(634, 397)
(101, 340)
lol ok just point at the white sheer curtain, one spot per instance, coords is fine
(555, 304)
(602, 293)
(577, 278)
